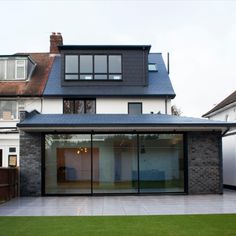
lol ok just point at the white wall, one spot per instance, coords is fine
(7, 141)
(120, 105)
(52, 106)
(229, 160)
(229, 113)
(229, 146)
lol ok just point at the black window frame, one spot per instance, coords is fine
(1, 157)
(135, 103)
(93, 67)
(12, 149)
(80, 99)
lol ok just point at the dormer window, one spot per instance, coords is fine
(93, 67)
(20, 69)
(16, 67)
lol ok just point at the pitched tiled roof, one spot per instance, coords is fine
(35, 86)
(227, 101)
(159, 84)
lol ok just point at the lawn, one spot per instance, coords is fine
(189, 225)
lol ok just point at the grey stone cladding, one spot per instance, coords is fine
(30, 164)
(204, 163)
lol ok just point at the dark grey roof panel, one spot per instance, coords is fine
(159, 84)
(117, 120)
(104, 47)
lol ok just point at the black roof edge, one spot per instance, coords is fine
(131, 47)
(19, 96)
(16, 55)
(112, 95)
(130, 125)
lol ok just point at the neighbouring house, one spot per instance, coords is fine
(22, 80)
(105, 127)
(226, 111)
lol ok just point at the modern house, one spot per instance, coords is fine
(226, 111)
(103, 126)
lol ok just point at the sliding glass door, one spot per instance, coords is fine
(161, 163)
(68, 164)
(113, 163)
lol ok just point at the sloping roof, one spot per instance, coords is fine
(117, 120)
(159, 84)
(33, 87)
(227, 101)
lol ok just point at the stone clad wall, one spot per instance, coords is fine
(30, 164)
(204, 163)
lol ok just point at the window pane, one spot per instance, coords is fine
(135, 108)
(68, 106)
(79, 106)
(71, 64)
(152, 67)
(86, 77)
(11, 70)
(115, 163)
(86, 64)
(67, 164)
(8, 110)
(90, 106)
(161, 162)
(71, 77)
(20, 73)
(115, 77)
(2, 69)
(100, 64)
(115, 64)
(100, 77)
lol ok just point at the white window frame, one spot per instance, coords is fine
(17, 111)
(19, 66)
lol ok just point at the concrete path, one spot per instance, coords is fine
(120, 205)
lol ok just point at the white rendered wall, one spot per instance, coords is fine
(120, 105)
(7, 141)
(32, 104)
(229, 113)
(229, 160)
(52, 106)
(229, 147)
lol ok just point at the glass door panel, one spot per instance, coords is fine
(161, 163)
(67, 164)
(114, 163)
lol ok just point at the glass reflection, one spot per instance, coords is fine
(114, 163)
(67, 164)
(161, 163)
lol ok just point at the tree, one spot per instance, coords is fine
(176, 111)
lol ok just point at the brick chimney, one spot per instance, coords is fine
(55, 40)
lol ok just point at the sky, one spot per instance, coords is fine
(199, 35)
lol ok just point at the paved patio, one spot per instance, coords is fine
(120, 205)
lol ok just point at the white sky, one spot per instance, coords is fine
(200, 36)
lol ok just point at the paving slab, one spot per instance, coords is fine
(121, 205)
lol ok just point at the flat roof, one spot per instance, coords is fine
(103, 47)
(160, 121)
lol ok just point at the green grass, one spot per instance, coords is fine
(189, 225)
